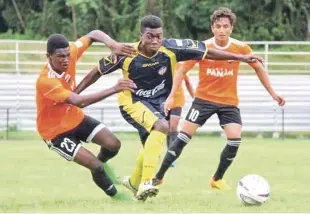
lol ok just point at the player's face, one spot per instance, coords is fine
(59, 60)
(222, 29)
(151, 39)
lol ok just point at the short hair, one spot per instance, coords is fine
(150, 21)
(56, 41)
(223, 12)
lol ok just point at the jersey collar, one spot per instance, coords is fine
(220, 47)
(136, 46)
(50, 69)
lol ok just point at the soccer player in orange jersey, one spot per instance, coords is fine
(61, 122)
(216, 94)
(176, 110)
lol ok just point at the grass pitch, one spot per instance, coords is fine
(35, 179)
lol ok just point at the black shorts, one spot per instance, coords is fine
(202, 110)
(68, 144)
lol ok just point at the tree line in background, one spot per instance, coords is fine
(257, 19)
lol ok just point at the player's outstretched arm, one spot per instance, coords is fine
(116, 48)
(264, 79)
(86, 100)
(88, 80)
(223, 55)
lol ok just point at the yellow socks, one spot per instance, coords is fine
(152, 151)
(135, 177)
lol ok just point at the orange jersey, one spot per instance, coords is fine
(52, 89)
(218, 78)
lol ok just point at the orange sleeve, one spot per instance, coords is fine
(81, 45)
(52, 89)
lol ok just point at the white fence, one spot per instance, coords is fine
(19, 67)
(26, 56)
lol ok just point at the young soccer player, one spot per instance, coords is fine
(61, 121)
(216, 94)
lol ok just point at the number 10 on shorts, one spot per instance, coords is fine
(193, 115)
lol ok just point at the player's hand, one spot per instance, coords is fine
(281, 101)
(124, 84)
(168, 104)
(123, 49)
(250, 58)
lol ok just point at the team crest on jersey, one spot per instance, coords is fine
(112, 59)
(162, 70)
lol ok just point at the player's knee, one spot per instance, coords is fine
(116, 145)
(113, 144)
(161, 126)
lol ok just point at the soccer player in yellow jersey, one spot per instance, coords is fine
(152, 69)
(216, 94)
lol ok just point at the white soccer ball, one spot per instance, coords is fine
(253, 190)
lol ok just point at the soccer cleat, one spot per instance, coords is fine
(126, 183)
(219, 184)
(147, 189)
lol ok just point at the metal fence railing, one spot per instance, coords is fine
(26, 56)
(259, 112)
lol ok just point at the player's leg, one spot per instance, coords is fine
(141, 116)
(91, 130)
(69, 147)
(230, 120)
(153, 148)
(132, 182)
(197, 115)
(109, 148)
(174, 119)
(175, 115)
(100, 177)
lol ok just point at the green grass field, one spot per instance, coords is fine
(34, 179)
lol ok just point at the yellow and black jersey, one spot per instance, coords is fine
(153, 75)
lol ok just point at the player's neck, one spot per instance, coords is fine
(54, 69)
(221, 43)
(144, 52)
